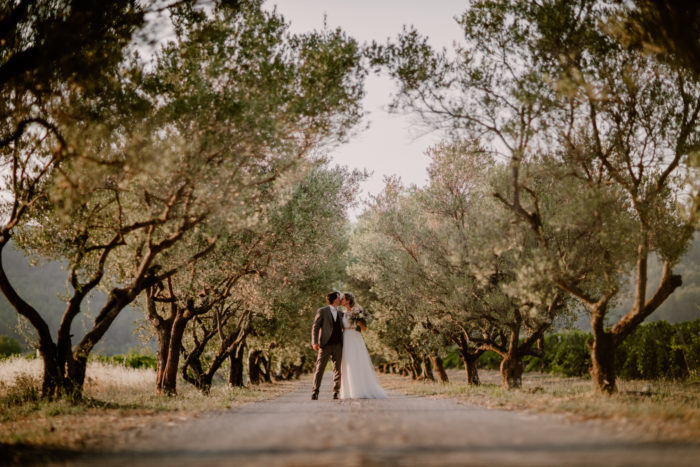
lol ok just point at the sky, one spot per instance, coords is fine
(393, 144)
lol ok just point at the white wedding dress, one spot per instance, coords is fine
(358, 379)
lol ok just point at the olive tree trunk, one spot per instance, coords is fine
(235, 377)
(427, 372)
(439, 368)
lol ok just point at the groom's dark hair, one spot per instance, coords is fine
(331, 297)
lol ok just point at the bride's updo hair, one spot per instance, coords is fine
(350, 298)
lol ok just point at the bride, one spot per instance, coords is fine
(358, 380)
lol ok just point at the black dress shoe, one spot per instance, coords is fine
(335, 395)
(314, 396)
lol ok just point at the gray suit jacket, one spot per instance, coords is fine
(323, 326)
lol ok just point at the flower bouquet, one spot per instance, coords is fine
(359, 315)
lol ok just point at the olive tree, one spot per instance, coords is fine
(545, 81)
(169, 155)
(279, 267)
(55, 57)
(469, 267)
(252, 95)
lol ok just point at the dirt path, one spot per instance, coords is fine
(400, 430)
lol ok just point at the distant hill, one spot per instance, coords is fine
(42, 286)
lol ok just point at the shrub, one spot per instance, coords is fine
(26, 388)
(141, 361)
(9, 346)
(452, 359)
(658, 350)
(130, 360)
(572, 356)
(687, 338)
(565, 354)
(655, 350)
(489, 360)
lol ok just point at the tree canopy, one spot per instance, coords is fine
(196, 181)
(594, 136)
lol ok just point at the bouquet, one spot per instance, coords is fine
(359, 315)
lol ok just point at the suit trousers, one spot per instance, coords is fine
(335, 353)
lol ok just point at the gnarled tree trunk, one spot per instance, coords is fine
(235, 377)
(52, 382)
(439, 368)
(427, 372)
(170, 373)
(603, 371)
(471, 369)
(469, 357)
(192, 369)
(258, 367)
(163, 334)
(288, 371)
(605, 343)
(414, 365)
(512, 372)
(163, 327)
(169, 331)
(512, 363)
(602, 352)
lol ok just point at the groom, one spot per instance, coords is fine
(327, 340)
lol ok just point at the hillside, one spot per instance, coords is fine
(42, 286)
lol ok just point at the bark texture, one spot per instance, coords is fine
(439, 368)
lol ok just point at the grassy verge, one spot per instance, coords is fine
(118, 400)
(654, 410)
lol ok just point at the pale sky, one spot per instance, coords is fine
(393, 144)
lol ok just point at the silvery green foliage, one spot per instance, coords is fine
(593, 136)
(290, 264)
(446, 263)
(174, 156)
(229, 118)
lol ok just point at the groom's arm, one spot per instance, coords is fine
(315, 328)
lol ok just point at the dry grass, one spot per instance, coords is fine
(655, 410)
(118, 399)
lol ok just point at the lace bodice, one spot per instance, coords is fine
(346, 321)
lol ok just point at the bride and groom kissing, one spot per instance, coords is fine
(336, 335)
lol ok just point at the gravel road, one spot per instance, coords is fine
(400, 430)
